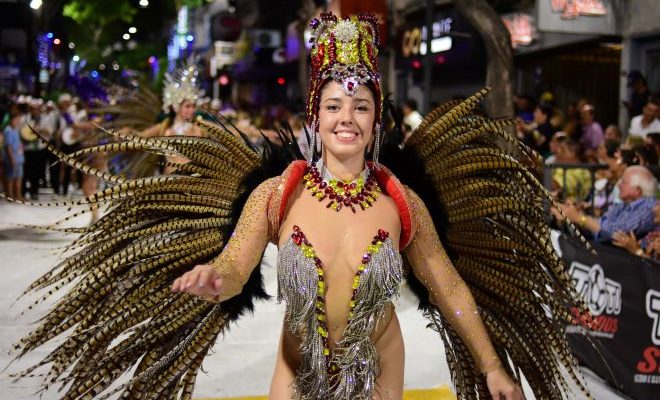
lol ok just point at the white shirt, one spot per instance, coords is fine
(636, 128)
(413, 119)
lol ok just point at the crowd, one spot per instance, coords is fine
(603, 179)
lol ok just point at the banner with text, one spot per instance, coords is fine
(623, 295)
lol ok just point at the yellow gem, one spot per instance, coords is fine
(322, 331)
(352, 303)
(320, 317)
(350, 315)
(326, 351)
(361, 267)
(319, 271)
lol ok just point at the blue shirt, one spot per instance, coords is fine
(636, 216)
(13, 142)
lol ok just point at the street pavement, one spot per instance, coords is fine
(242, 361)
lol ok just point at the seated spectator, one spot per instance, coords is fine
(612, 132)
(538, 134)
(592, 132)
(646, 155)
(647, 121)
(605, 187)
(556, 140)
(574, 183)
(648, 246)
(637, 190)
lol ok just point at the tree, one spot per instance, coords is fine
(499, 72)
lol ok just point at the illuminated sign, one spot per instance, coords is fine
(521, 29)
(414, 40)
(572, 9)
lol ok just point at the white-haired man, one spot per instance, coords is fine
(634, 216)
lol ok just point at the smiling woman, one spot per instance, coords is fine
(177, 257)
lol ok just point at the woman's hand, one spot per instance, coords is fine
(627, 240)
(502, 387)
(203, 280)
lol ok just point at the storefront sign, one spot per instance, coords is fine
(521, 28)
(572, 9)
(413, 40)
(595, 17)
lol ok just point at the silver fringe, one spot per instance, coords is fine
(355, 354)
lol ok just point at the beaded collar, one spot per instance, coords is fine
(362, 191)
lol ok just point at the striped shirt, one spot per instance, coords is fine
(636, 217)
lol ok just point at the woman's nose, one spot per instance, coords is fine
(346, 116)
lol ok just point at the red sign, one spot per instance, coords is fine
(572, 9)
(520, 28)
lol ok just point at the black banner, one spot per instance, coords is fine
(623, 294)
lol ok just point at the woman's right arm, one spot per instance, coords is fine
(224, 278)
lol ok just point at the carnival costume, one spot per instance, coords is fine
(485, 199)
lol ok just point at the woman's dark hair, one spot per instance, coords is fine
(546, 109)
(629, 157)
(646, 154)
(611, 146)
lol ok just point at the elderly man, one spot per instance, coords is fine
(637, 190)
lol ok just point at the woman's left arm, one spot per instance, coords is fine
(451, 295)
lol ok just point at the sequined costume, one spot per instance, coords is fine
(474, 245)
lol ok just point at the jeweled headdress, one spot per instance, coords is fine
(182, 85)
(343, 50)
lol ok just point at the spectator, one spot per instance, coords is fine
(605, 187)
(640, 93)
(555, 143)
(574, 183)
(524, 108)
(572, 121)
(637, 190)
(13, 157)
(592, 132)
(538, 134)
(646, 155)
(411, 116)
(647, 121)
(647, 247)
(612, 132)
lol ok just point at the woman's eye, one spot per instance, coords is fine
(363, 108)
(332, 108)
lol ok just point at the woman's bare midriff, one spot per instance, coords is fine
(339, 240)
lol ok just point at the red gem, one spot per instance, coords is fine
(366, 258)
(317, 179)
(317, 261)
(296, 228)
(323, 185)
(328, 189)
(352, 185)
(350, 85)
(354, 200)
(340, 184)
(340, 198)
(339, 206)
(374, 241)
(360, 197)
(347, 202)
(297, 240)
(383, 233)
(333, 195)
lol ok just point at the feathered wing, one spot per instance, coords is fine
(484, 191)
(120, 317)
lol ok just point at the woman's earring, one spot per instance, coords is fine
(312, 144)
(377, 139)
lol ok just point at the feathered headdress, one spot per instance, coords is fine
(182, 85)
(344, 50)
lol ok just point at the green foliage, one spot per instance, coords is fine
(99, 12)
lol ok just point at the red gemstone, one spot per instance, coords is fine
(352, 186)
(323, 185)
(354, 200)
(350, 85)
(374, 241)
(317, 261)
(296, 228)
(297, 240)
(340, 184)
(333, 195)
(317, 179)
(340, 198)
(339, 206)
(366, 258)
(347, 202)
(360, 197)
(328, 189)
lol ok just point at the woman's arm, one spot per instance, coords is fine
(224, 278)
(451, 295)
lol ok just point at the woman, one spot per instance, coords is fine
(347, 324)
(348, 232)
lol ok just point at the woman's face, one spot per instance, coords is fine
(187, 110)
(346, 122)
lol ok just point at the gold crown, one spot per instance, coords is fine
(180, 86)
(345, 51)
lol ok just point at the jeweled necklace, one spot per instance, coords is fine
(362, 192)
